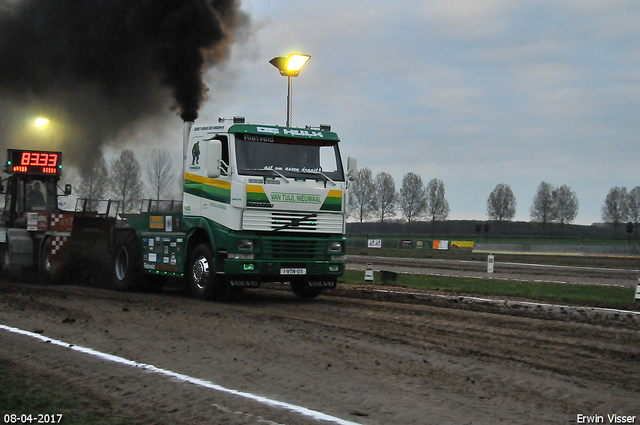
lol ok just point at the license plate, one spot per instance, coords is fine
(293, 271)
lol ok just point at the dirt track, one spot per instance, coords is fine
(361, 360)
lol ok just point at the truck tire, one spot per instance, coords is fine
(302, 290)
(201, 274)
(126, 263)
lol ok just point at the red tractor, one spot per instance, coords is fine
(35, 234)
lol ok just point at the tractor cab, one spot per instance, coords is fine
(30, 199)
(27, 194)
(31, 186)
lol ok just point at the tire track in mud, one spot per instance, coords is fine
(537, 343)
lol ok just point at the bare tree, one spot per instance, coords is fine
(542, 210)
(565, 206)
(386, 195)
(362, 196)
(94, 182)
(160, 173)
(126, 182)
(437, 205)
(634, 207)
(615, 209)
(413, 197)
(501, 204)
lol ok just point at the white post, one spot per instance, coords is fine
(368, 273)
(490, 264)
(638, 290)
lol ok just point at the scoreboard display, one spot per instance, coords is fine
(34, 162)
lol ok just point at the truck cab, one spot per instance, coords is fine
(261, 203)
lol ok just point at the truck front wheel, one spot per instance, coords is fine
(302, 289)
(202, 276)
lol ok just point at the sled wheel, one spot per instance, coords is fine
(126, 262)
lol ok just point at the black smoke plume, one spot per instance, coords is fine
(97, 68)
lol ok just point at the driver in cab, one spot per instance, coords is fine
(35, 197)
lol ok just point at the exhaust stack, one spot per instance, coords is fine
(186, 130)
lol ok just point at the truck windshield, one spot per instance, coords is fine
(288, 157)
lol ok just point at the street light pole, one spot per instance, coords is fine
(288, 101)
(290, 66)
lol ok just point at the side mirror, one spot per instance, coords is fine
(352, 168)
(214, 156)
(67, 189)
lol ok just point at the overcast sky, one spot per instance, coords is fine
(474, 93)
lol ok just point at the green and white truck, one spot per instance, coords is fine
(261, 203)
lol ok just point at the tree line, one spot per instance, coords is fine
(122, 180)
(369, 197)
(622, 206)
(378, 198)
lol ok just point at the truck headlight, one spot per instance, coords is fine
(335, 246)
(245, 244)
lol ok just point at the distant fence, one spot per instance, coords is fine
(406, 243)
(455, 228)
(496, 248)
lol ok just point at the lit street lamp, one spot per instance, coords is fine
(41, 122)
(290, 66)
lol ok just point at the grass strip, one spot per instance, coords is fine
(586, 295)
(23, 393)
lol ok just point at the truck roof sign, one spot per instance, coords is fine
(284, 131)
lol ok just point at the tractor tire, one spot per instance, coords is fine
(127, 263)
(5, 261)
(45, 262)
(302, 290)
(201, 275)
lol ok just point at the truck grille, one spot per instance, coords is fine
(277, 249)
(292, 221)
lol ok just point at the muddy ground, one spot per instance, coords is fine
(367, 355)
